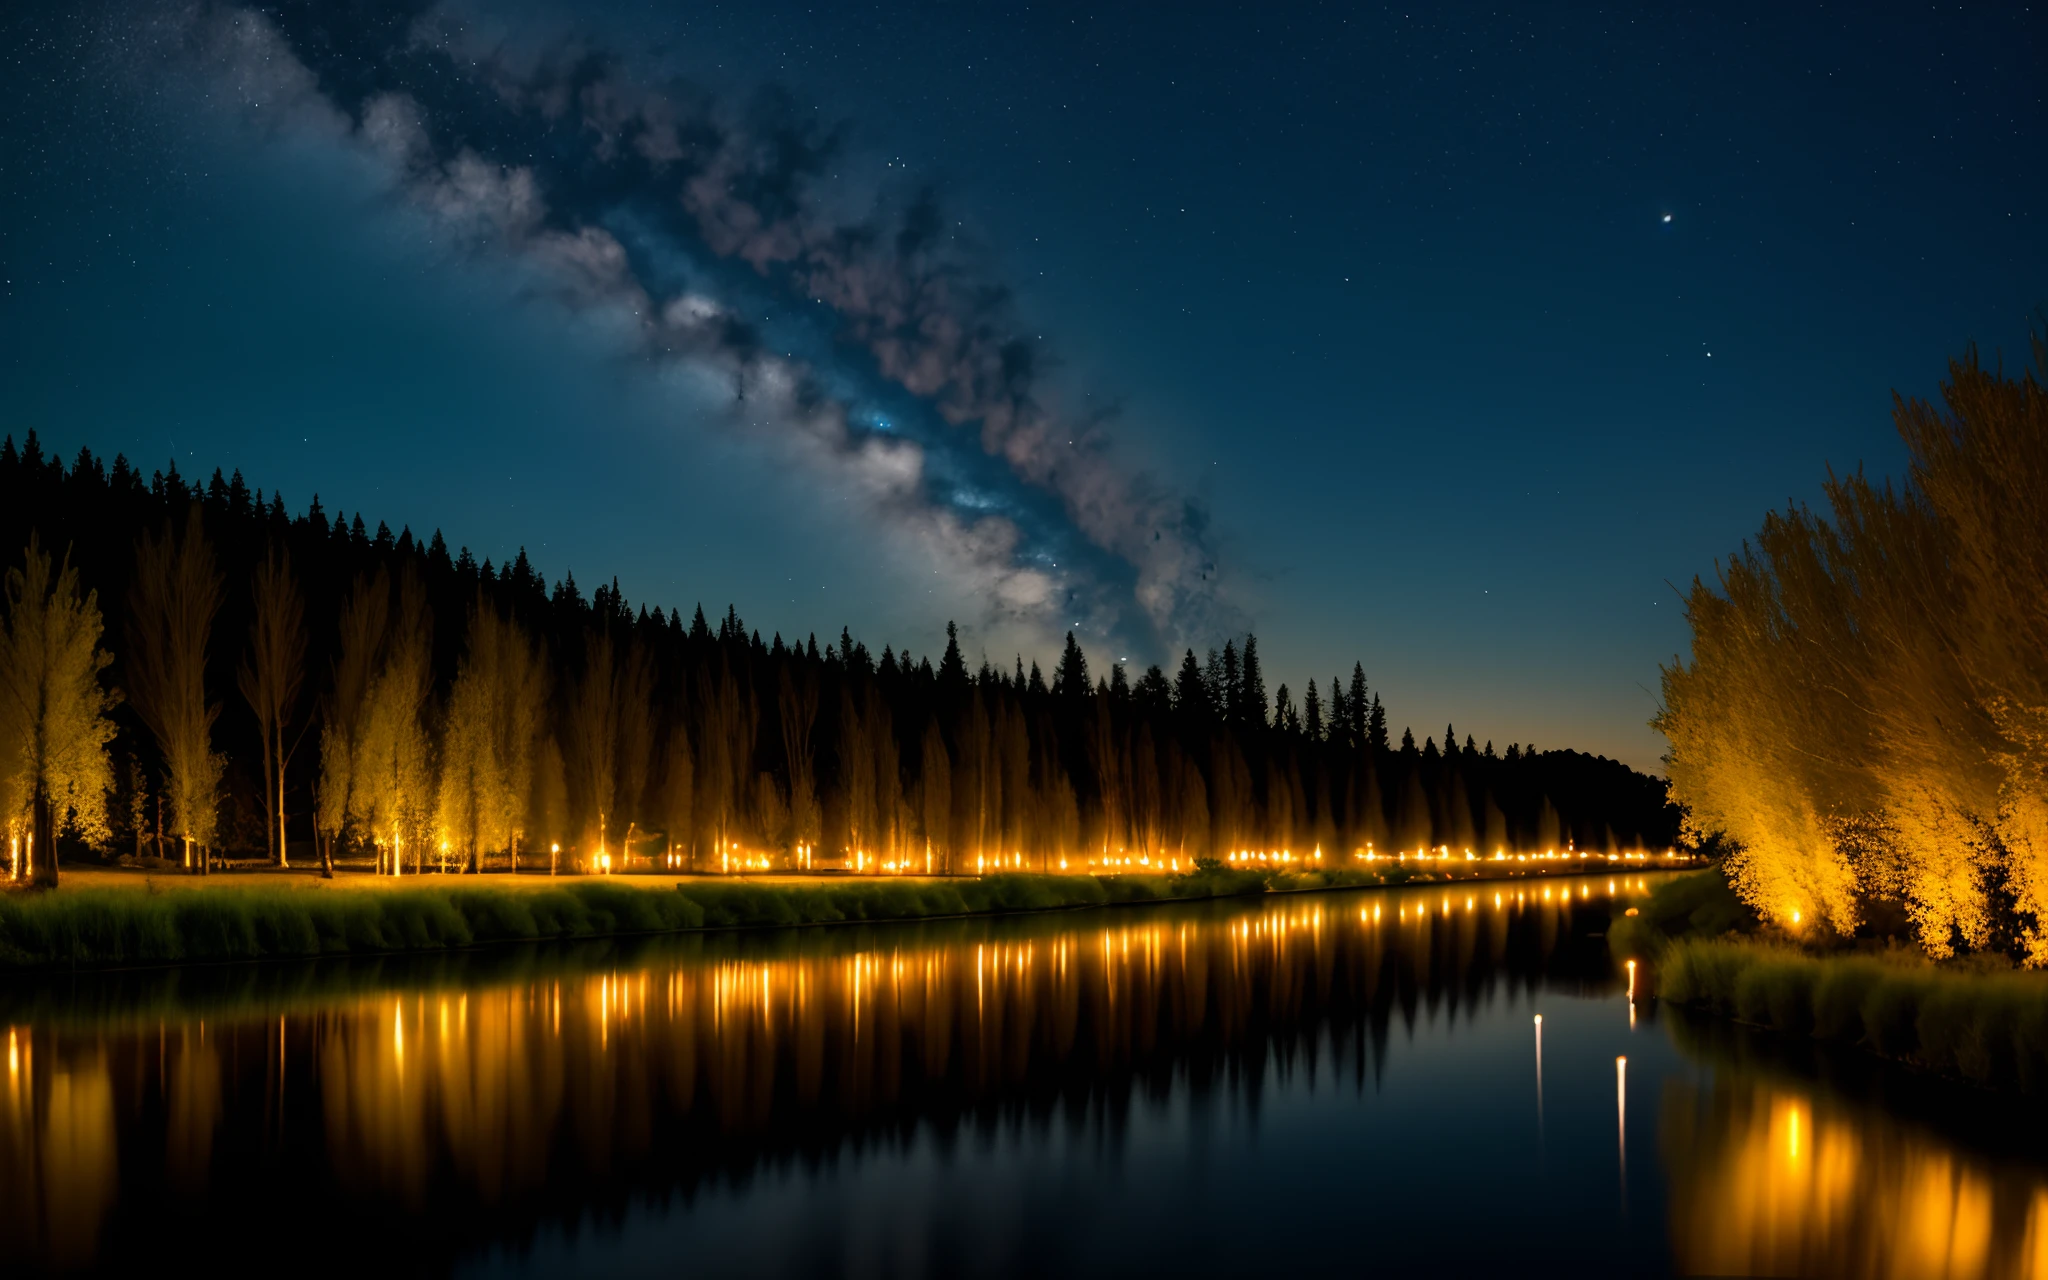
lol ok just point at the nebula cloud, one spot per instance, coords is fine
(865, 344)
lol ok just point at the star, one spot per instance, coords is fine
(1667, 217)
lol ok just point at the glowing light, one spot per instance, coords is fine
(1621, 1112)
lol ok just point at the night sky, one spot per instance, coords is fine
(1442, 339)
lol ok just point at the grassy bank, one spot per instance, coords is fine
(100, 927)
(1701, 905)
(1987, 1027)
(1708, 951)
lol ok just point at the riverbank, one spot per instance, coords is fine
(1984, 1024)
(115, 919)
(1990, 1028)
(193, 922)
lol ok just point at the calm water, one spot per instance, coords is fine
(1351, 1081)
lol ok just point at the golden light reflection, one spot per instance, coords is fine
(1766, 1180)
(1621, 1112)
(718, 1051)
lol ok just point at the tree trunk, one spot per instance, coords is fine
(323, 841)
(283, 849)
(275, 849)
(43, 839)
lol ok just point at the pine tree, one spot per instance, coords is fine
(952, 668)
(1230, 706)
(1152, 694)
(1285, 718)
(1191, 691)
(1362, 718)
(1254, 685)
(1070, 677)
(1312, 713)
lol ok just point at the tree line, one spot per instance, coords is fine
(1865, 713)
(297, 686)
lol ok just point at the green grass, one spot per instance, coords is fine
(1701, 905)
(101, 927)
(1991, 1028)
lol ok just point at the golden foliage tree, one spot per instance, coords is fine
(270, 676)
(364, 617)
(395, 793)
(54, 730)
(171, 604)
(797, 711)
(376, 779)
(1866, 708)
(491, 738)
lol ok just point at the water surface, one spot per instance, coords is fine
(1355, 1081)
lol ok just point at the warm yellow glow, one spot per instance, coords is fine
(1621, 1108)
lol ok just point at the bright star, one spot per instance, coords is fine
(1667, 217)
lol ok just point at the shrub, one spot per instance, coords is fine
(1991, 1028)
(1839, 995)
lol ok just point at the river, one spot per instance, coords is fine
(1450, 1079)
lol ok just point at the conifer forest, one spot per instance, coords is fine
(295, 686)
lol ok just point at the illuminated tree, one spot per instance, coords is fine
(797, 715)
(724, 744)
(394, 793)
(608, 733)
(270, 676)
(491, 738)
(172, 599)
(1866, 709)
(935, 797)
(55, 771)
(679, 791)
(365, 616)
(671, 736)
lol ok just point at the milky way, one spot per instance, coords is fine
(868, 345)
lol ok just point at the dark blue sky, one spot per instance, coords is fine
(1437, 339)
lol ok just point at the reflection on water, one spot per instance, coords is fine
(1771, 1181)
(417, 1115)
(1877, 1174)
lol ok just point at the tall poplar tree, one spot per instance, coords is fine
(54, 730)
(270, 678)
(172, 600)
